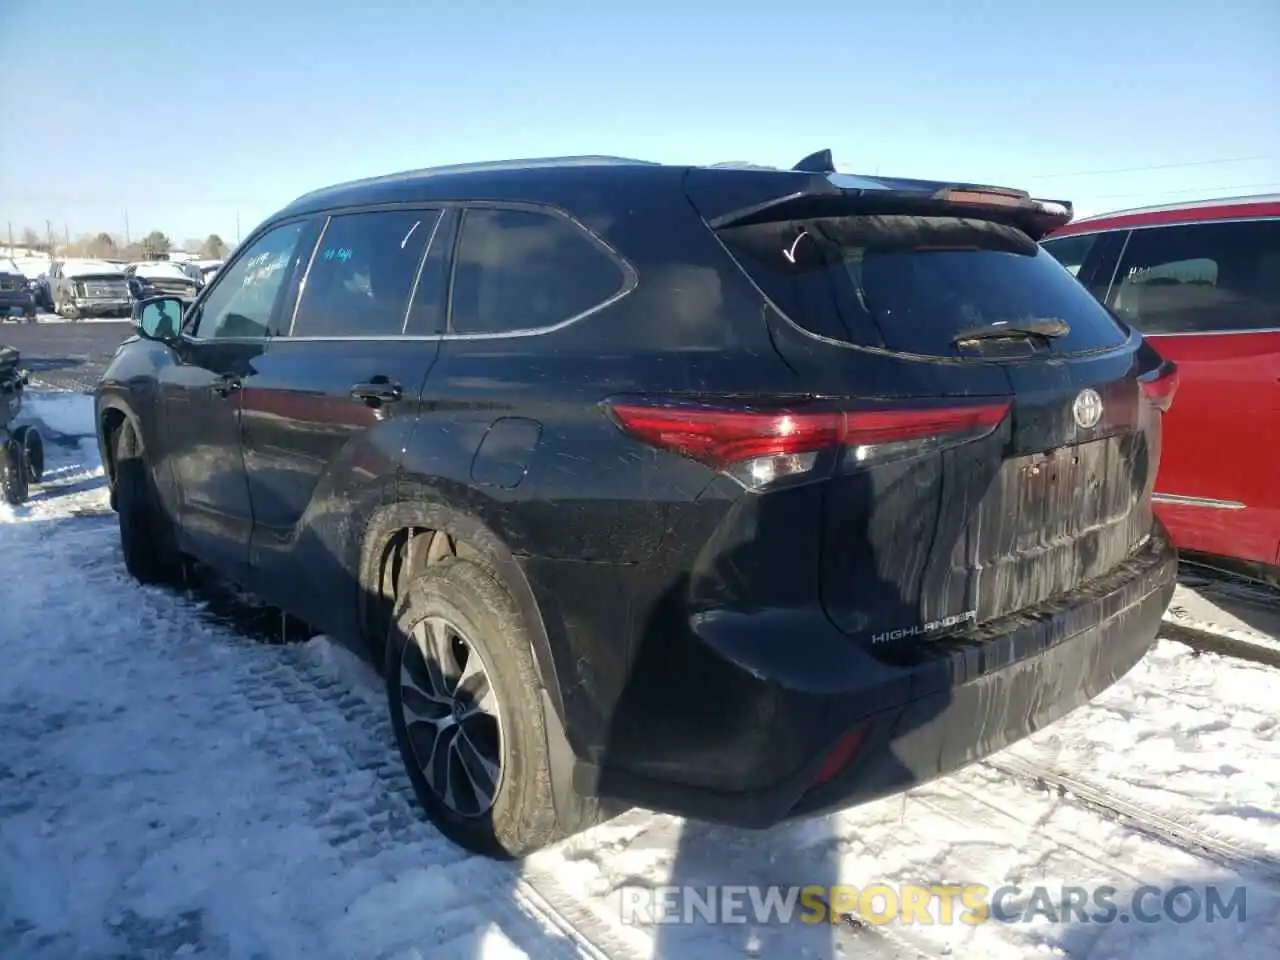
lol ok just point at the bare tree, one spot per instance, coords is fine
(31, 239)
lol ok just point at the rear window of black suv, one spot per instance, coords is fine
(910, 284)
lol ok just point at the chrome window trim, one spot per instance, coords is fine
(1193, 222)
(242, 250)
(630, 280)
(1179, 499)
(1115, 267)
(1115, 271)
(1214, 333)
(306, 274)
(417, 277)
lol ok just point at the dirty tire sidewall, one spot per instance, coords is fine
(523, 818)
(33, 450)
(145, 539)
(13, 473)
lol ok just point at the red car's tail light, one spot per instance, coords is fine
(760, 448)
(1159, 387)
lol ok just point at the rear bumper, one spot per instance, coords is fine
(867, 729)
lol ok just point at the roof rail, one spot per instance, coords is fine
(481, 167)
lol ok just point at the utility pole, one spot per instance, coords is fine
(127, 240)
(11, 236)
(237, 228)
(66, 234)
(48, 235)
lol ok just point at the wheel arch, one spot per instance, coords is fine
(391, 520)
(112, 415)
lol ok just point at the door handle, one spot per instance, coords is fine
(225, 385)
(378, 390)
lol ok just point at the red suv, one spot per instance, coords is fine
(1202, 281)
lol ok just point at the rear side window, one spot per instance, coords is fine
(362, 274)
(524, 270)
(913, 283)
(1201, 278)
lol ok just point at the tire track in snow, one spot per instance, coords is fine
(291, 688)
(1139, 817)
(1251, 638)
(333, 769)
(371, 745)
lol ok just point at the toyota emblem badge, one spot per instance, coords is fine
(1087, 409)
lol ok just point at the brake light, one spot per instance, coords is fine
(984, 199)
(1159, 387)
(762, 448)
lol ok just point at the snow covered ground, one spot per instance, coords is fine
(172, 787)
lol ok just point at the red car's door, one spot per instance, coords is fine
(1207, 295)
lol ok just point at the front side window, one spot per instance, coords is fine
(242, 301)
(363, 273)
(524, 270)
(1201, 278)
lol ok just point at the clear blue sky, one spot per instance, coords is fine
(184, 113)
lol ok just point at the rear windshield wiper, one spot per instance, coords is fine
(1047, 329)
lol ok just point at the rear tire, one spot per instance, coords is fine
(13, 473)
(146, 535)
(479, 612)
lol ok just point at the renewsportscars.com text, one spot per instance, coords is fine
(931, 904)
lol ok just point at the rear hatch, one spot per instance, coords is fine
(171, 284)
(1002, 429)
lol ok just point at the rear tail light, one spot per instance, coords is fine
(1159, 387)
(765, 448)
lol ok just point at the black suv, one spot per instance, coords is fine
(739, 493)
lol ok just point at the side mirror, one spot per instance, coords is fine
(158, 318)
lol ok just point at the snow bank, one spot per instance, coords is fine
(67, 414)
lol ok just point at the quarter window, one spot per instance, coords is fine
(1072, 252)
(1201, 278)
(243, 298)
(523, 270)
(362, 274)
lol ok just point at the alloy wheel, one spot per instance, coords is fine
(452, 717)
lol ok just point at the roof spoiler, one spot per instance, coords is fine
(813, 189)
